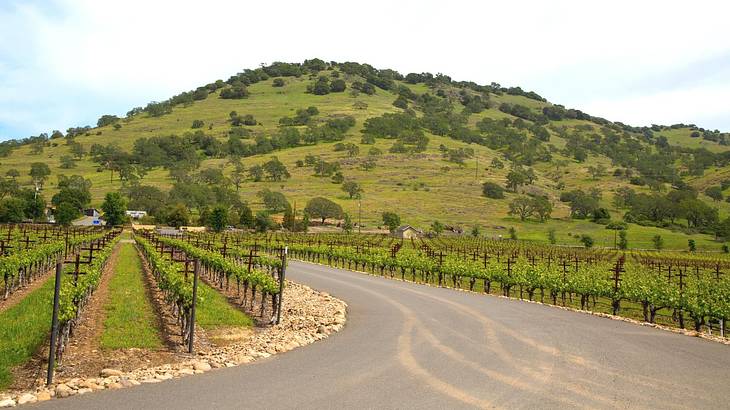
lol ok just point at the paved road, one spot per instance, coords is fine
(413, 346)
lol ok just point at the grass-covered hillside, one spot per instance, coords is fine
(418, 145)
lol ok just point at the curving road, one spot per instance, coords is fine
(412, 346)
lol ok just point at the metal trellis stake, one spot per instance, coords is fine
(281, 284)
(196, 273)
(54, 324)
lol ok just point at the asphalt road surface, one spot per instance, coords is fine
(414, 346)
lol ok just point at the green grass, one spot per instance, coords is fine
(130, 319)
(214, 311)
(24, 328)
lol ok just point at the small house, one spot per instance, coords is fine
(92, 212)
(136, 214)
(407, 232)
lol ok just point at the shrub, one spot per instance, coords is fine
(235, 92)
(492, 190)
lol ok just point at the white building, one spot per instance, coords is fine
(136, 214)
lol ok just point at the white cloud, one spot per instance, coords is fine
(71, 61)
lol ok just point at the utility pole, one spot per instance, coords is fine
(359, 216)
(476, 169)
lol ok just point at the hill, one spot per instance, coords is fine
(420, 145)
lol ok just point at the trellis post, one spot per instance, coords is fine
(54, 324)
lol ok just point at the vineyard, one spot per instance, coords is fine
(39, 315)
(207, 280)
(685, 290)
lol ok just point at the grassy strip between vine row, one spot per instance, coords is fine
(24, 328)
(130, 318)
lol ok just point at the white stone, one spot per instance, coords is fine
(111, 372)
(43, 396)
(7, 403)
(27, 398)
(201, 366)
(63, 391)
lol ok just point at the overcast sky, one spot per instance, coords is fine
(64, 63)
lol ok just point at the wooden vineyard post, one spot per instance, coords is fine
(196, 273)
(54, 324)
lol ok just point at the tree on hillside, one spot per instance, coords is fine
(11, 210)
(353, 189)
(542, 208)
(146, 198)
(323, 208)
(106, 120)
(12, 173)
(274, 202)
(347, 225)
(238, 175)
(597, 171)
(714, 192)
(437, 227)
(74, 190)
(587, 241)
(246, 216)
(8, 187)
(218, 218)
(391, 220)
(256, 172)
(66, 213)
(658, 242)
(39, 171)
(35, 204)
(623, 242)
(276, 170)
(236, 91)
(263, 222)
(77, 149)
(338, 86)
(178, 216)
(522, 207)
(551, 236)
(114, 208)
(67, 162)
(515, 179)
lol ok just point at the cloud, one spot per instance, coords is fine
(66, 62)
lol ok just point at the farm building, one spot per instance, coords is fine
(92, 212)
(407, 232)
(136, 214)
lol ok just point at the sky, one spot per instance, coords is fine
(64, 63)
